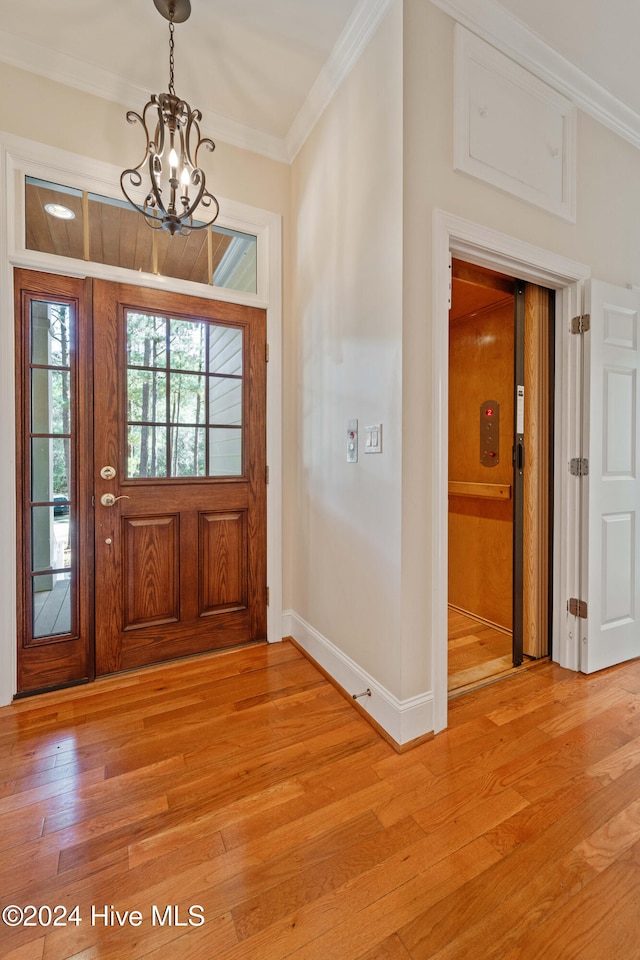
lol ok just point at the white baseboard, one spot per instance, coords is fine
(403, 720)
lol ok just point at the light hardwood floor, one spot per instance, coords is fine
(246, 784)
(478, 653)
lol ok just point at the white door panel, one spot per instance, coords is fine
(611, 576)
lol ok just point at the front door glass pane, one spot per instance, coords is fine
(184, 392)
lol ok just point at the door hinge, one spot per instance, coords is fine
(268, 596)
(579, 467)
(266, 352)
(578, 608)
(581, 323)
(266, 474)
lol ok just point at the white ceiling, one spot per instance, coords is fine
(261, 70)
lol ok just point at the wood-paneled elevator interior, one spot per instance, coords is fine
(500, 467)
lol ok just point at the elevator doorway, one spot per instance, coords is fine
(500, 475)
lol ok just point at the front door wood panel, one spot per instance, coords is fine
(151, 570)
(167, 585)
(223, 562)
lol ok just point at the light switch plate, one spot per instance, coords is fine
(373, 438)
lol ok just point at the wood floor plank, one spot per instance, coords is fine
(596, 922)
(30, 951)
(390, 949)
(482, 897)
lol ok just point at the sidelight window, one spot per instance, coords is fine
(51, 475)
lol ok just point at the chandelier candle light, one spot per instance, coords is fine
(176, 184)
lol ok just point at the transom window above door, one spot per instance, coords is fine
(68, 222)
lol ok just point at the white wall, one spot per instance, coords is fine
(606, 237)
(363, 582)
(345, 339)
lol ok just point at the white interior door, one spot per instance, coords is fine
(611, 633)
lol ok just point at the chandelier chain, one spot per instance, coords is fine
(172, 89)
(176, 190)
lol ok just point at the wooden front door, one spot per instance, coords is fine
(179, 468)
(162, 487)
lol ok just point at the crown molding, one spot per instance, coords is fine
(489, 21)
(482, 17)
(36, 58)
(354, 38)
(73, 72)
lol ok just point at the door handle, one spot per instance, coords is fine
(108, 499)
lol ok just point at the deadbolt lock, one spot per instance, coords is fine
(108, 473)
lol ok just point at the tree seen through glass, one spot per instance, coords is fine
(184, 397)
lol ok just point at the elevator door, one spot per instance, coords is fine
(500, 433)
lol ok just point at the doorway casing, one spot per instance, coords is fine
(452, 235)
(19, 157)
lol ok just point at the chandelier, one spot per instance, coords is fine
(175, 184)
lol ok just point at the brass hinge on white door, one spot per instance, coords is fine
(266, 474)
(266, 352)
(578, 608)
(268, 596)
(581, 324)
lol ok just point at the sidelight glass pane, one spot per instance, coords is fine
(50, 539)
(146, 395)
(225, 401)
(225, 350)
(225, 452)
(51, 598)
(50, 468)
(50, 333)
(146, 340)
(50, 401)
(188, 451)
(147, 451)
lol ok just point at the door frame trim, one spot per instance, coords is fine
(19, 156)
(475, 243)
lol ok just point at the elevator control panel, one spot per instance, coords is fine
(490, 433)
